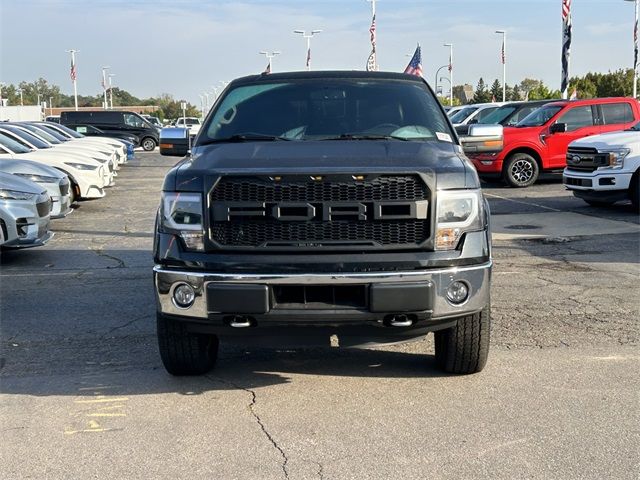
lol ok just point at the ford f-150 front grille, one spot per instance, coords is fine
(585, 159)
(320, 212)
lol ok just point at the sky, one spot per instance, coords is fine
(185, 47)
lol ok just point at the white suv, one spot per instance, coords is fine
(605, 168)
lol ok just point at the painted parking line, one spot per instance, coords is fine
(522, 202)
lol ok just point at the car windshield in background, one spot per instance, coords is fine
(539, 117)
(461, 115)
(498, 115)
(341, 109)
(635, 128)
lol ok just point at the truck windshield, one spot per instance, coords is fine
(328, 109)
(539, 117)
(461, 115)
(499, 115)
(635, 128)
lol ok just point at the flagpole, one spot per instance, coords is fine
(104, 86)
(308, 37)
(75, 76)
(503, 58)
(635, 49)
(111, 75)
(450, 45)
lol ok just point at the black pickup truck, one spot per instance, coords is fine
(317, 205)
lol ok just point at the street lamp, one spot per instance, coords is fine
(269, 57)
(504, 63)
(308, 37)
(437, 73)
(450, 45)
(635, 49)
(104, 85)
(111, 75)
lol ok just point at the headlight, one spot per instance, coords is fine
(81, 166)
(616, 157)
(16, 195)
(182, 214)
(38, 178)
(459, 211)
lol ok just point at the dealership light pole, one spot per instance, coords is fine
(104, 85)
(503, 58)
(635, 50)
(269, 56)
(21, 98)
(450, 45)
(308, 37)
(111, 75)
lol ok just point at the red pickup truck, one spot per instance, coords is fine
(539, 142)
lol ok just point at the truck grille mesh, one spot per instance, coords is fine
(269, 233)
(240, 189)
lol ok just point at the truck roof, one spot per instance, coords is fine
(589, 101)
(303, 75)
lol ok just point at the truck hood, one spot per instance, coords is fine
(313, 157)
(626, 139)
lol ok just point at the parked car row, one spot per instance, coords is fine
(538, 138)
(44, 168)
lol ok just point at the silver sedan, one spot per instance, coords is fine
(24, 213)
(54, 181)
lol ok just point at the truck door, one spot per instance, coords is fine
(580, 121)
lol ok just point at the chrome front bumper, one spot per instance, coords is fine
(476, 277)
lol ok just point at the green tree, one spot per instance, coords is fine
(515, 93)
(482, 95)
(496, 91)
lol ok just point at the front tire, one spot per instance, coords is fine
(148, 144)
(521, 170)
(183, 352)
(464, 349)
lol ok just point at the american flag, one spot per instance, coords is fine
(415, 65)
(73, 73)
(371, 61)
(502, 55)
(267, 69)
(308, 57)
(635, 46)
(372, 31)
(450, 63)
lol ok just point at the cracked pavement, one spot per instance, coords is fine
(83, 393)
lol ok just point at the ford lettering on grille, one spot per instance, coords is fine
(327, 211)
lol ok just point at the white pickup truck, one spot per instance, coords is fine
(191, 123)
(604, 169)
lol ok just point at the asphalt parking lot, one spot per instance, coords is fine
(84, 395)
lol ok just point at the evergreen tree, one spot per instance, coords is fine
(496, 91)
(482, 95)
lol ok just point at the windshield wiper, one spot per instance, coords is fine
(364, 136)
(246, 137)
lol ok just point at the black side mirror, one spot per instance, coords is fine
(558, 128)
(174, 142)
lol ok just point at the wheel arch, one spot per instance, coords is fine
(528, 150)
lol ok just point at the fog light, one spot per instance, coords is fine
(183, 295)
(458, 292)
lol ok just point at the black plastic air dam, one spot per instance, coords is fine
(255, 298)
